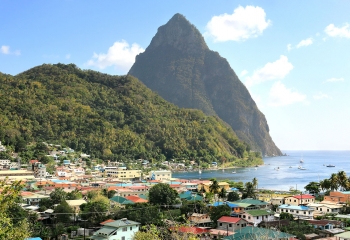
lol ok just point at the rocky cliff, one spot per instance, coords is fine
(180, 67)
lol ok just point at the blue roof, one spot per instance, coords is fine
(231, 205)
(34, 238)
(302, 208)
(59, 181)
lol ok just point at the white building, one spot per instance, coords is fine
(122, 229)
(160, 175)
(5, 162)
(257, 216)
(2, 148)
(301, 212)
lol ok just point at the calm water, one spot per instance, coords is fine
(314, 161)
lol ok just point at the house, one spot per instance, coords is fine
(255, 217)
(198, 219)
(254, 203)
(231, 223)
(300, 212)
(324, 208)
(338, 197)
(325, 224)
(161, 175)
(302, 199)
(122, 229)
(343, 236)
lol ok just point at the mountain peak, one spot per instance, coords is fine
(179, 33)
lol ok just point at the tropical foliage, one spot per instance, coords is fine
(110, 117)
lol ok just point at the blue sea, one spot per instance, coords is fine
(288, 175)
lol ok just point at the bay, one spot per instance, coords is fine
(288, 175)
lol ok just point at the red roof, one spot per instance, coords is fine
(107, 221)
(33, 161)
(136, 199)
(194, 230)
(229, 219)
(303, 196)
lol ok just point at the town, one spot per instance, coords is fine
(79, 197)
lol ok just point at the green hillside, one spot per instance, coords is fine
(110, 117)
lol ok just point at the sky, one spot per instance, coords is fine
(293, 56)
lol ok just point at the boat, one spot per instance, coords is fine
(290, 166)
(200, 171)
(301, 159)
(330, 165)
(301, 168)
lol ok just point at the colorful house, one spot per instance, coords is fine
(231, 223)
(302, 199)
(122, 229)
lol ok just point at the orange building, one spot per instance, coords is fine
(338, 197)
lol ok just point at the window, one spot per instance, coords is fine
(125, 229)
(130, 228)
(123, 238)
(230, 225)
(220, 224)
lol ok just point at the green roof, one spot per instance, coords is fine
(106, 230)
(255, 233)
(256, 213)
(143, 196)
(118, 199)
(244, 205)
(189, 197)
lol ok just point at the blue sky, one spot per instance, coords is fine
(293, 56)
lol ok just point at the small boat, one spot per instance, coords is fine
(301, 168)
(290, 166)
(234, 172)
(330, 165)
(200, 171)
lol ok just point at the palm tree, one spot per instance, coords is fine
(325, 184)
(214, 187)
(334, 182)
(249, 191)
(342, 180)
(222, 194)
(255, 183)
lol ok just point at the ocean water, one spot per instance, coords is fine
(288, 175)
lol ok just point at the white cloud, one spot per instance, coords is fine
(305, 42)
(121, 55)
(244, 23)
(289, 47)
(335, 80)
(6, 50)
(271, 71)
(243, 73)
(334, 31)
(320, 95)
(280, 95)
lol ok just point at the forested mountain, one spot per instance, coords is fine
(111, 117)
(179, 66)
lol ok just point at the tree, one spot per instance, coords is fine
(255, 183)
(313, 188)
(58, 195)
(232, 196)
(222, 194)
(214, 187)
(334, 182)
(325, 184)
(285, 215)
(63, 208)
(162, 194)
(342, 180)
(249, 191)
(217, 212)
(147, 233)
(74, 195)
(143, 213)
(189, 207)
(96, 210)
(11, 229)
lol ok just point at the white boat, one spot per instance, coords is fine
(200, 171)
(301, 168)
